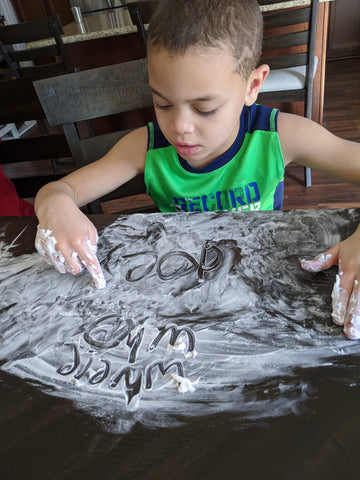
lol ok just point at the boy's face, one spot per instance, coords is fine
(198, 99)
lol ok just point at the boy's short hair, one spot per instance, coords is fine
(178, 25)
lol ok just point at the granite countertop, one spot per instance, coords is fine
(99, 25)
(118, 22)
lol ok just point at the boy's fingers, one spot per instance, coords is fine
(352, 319)
(340, 299)
(97, 275)
(58, 261)
(90, 261)
(345, 294)
(45, 245)
(73, 262)
(322, 262)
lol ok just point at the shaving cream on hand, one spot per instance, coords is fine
(352, 320)
(45, 244)
(317, 264)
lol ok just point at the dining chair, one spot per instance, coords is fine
(29, 158)
(140, 13)
(94, 94)
(289, 50)
(5, 72)
(22, 61)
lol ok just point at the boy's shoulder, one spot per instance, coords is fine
(290, 123)
(260, 117)
(156, 138)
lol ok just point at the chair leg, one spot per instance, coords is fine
(42, 126)
(307, 173)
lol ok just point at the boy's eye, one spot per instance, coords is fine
(207, 113)
(162, 107)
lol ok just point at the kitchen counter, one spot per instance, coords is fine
(289, 4)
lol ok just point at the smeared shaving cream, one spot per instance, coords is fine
(45, 244)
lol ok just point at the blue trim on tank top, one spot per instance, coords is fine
(279, 196)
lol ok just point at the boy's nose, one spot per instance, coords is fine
(182, 123)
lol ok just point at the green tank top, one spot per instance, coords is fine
(249, 176)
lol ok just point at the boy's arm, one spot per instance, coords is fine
(307, 143)
(66, 237)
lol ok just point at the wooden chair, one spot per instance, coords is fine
(289, 50)
(5, 72)
(93, 94)
(19, 103)
(140, 13)
(13, 40)
(23, 62)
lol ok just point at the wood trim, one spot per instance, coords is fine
(320, 52)
(325, 28)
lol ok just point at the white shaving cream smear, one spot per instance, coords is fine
(216, 307)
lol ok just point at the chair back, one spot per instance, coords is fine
(289, 46)
(19, 103)
(26, 61)
(289, 49)
(140, 13)
(95, 93)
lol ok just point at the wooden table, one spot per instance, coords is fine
(277, 391)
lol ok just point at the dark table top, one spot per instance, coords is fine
(277, 391)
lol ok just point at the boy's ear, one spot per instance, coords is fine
(255, 82)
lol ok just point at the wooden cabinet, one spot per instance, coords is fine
(344, 29)
(27, 10)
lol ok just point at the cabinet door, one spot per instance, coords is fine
(344, 29)
(27, 10)
(61, 7)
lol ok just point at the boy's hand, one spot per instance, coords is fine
(346, 291)
(70, 243)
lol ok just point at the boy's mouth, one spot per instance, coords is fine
(186, 149)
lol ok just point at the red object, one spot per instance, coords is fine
(11, 205)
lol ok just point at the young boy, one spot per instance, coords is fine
(212, 147)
